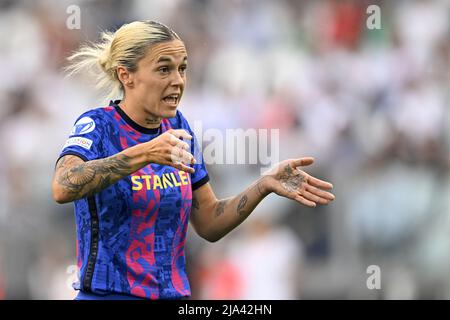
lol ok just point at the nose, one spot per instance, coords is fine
(177, 79)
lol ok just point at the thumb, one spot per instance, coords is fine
(306, 161)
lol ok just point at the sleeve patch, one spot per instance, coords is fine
(78, 141)
(83, 126)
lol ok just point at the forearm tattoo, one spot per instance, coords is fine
(290, 180)
(89, 178)
(221, 207)
(241, 205)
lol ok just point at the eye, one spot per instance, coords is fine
(183, 69)
(164, 69)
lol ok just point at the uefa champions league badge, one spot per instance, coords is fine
(83, 126)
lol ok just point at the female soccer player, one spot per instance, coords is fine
(136, 175)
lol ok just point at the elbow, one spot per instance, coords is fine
(58, 195)
(205, 235)
(206, 227)
(212, 239)
(210, 236)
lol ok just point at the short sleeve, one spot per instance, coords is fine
(200, 176)
(86, 139)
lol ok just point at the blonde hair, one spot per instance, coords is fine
(125, 47)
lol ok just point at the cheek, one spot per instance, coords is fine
(150, 88)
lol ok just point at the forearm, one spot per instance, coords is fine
(213, 219)
(228, 213)
(75, 179)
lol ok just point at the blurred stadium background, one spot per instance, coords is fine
(372, 106)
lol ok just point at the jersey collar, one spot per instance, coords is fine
(130, 121)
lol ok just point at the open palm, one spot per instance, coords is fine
(286, 180)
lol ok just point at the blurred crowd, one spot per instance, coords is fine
(372, 107)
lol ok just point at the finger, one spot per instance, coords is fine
(312, 197)
(175, 141)
(320, 193)
(187, 168)
(182, 167)
(183, 145)
(187, 157)
(306, 161)
(304, 201)
(319, 183)
(181, 155)
(181, 133)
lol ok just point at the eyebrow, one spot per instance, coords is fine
(168, 59)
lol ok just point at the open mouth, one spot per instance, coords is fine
(172, 99)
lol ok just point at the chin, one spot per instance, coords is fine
(170, 113)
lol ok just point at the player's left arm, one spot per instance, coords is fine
(212, 218)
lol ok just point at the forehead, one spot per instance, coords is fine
(167, 51)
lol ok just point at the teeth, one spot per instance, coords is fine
(173, 98)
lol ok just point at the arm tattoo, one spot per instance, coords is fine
(89, 178)
(221, 207)
(258, 186)
(60, 163)
(290, 180)
(241, 205)
(195, 204)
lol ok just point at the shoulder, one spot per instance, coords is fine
(97, 113)
(93, 119)
(179, 121)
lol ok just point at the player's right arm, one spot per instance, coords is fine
(75, 179)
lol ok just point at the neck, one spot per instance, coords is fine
(138, 114)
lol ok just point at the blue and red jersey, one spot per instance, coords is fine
(131, 236)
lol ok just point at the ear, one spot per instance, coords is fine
(125, 76)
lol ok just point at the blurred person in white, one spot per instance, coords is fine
(268, 257)
(30, 50)
(421, 24)
(146, 62)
